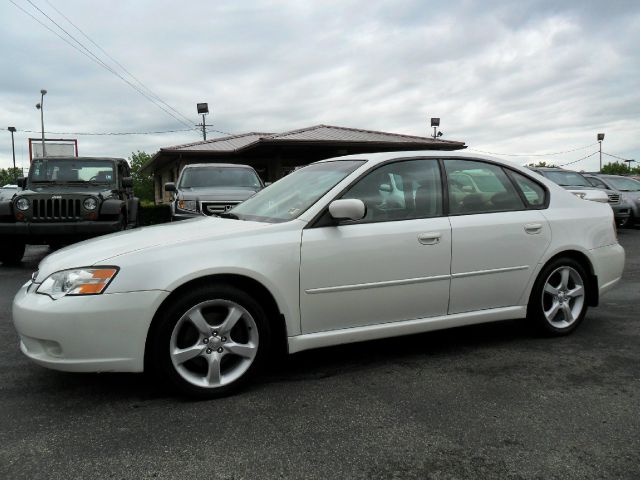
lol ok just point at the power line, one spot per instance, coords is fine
(94, 58)
(580, 159)
(533, 154)
(151, 92)
(616, 156)
(106, 133)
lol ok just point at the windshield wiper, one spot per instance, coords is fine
(229, 215)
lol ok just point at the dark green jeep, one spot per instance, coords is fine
(64, 200)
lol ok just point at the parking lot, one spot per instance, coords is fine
(488, 401)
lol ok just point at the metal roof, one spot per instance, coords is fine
(321, 137)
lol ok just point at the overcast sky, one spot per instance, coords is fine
(512, 77)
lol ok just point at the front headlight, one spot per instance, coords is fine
(22, 204)
(79, 281)
(90, 204)
(187, 205)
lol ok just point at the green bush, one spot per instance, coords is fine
(151, 214)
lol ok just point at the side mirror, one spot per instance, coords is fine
(169, 187)
(21, 182)
(347, 209)
(127, 182)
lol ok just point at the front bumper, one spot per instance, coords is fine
(97, 333)
(61, 229)
(621, 211)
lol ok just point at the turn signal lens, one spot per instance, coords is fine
(81, 281)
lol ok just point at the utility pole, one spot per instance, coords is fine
(13, 151)
(435, 123)
(203, 109)
(600, 139)
(40, 106)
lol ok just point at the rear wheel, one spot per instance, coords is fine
(11, 253)
(210, 341)
(558, 301)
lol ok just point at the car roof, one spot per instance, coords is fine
(381, 157)
(66, 157)
(217, 165)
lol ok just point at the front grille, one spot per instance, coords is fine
(56, 209)
(614, 197)
(215, 208)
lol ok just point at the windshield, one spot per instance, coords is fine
(625, 184)
(64, 170)
(206, 177)
(567, 179)
(290, 196)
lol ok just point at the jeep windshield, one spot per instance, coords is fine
(292, 195)
(219, 177)
(71, 170)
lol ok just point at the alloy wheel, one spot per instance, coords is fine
(563, 297)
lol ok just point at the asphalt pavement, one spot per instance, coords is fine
(488, 401)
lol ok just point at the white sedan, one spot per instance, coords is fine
(344, 250)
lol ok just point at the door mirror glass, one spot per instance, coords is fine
(169, 187)
(347, 209)
(127, 182)
(21, 182)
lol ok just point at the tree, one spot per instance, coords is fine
(541, 164)
(8, 176)
(619, 168)
(142, 182)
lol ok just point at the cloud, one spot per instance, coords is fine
(512, 77)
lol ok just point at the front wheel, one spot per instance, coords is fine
(558, 301)
(210, 342)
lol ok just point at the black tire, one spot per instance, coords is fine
(541, 302)
(123, 221)
(160, 362)
(11, 253)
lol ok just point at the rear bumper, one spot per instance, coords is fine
(608, 265)
(48, 230)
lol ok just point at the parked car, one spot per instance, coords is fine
(7, 192)
(577, 184)
(64, 200)
(211, 189)
(323, 257)
(628, 189)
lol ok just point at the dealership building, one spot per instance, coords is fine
(274, 155)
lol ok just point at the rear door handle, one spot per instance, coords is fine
(431, 238)
(533, 228)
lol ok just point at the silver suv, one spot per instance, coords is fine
(628, 189)
(211, 189)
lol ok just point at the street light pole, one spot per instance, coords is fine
(13, 151)
(600, 139)
(40, 106)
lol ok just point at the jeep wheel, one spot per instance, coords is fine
(11, 253)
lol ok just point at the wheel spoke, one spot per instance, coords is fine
(576, 292)
(232, 318)
(550, 289)
(553, 311)
(568, 314)
(213, 374)
(200, 323)
(246, 350)
(564, 278)
(181, 355)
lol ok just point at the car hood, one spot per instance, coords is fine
(226, 194)
(106, 249)
(57, 189)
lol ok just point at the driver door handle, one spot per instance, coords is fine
(431, 238)
(533, 228)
